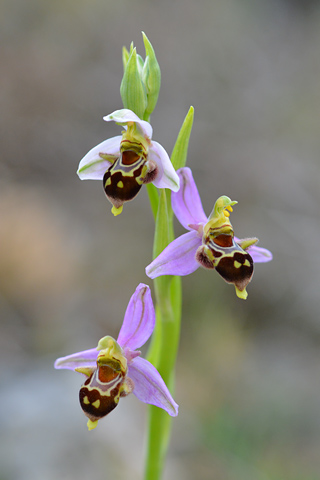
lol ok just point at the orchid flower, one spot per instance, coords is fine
(114, 369)
(127, 161)
(210, 241)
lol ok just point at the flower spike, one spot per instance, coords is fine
(124, 163)
(115, 369)
(210, 241)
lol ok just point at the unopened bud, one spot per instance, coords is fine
(132, 89)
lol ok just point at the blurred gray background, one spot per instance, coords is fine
(248, 373)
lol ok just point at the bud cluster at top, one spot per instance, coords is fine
(141, 80)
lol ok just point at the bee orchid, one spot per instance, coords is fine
(210, 241)
(115, 368)
(125, 162)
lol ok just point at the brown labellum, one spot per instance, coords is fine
(224, 254)
(101, 392)
(122, 181)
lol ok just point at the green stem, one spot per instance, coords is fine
(159, 421)
(164, 347)
(154, 198)
(165, 339)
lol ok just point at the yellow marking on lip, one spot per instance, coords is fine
(96, 404)
(104, 393)
(237, 264)
(120, 184)
(108, 182)
(247, 263)
(86, 400)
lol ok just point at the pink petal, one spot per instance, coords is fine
(124, 116)
(139, 319)
(87, 358)
(149, 386)
(93, 166)
(178, 258)
(167, 176)
(186, 203)
(259, 254)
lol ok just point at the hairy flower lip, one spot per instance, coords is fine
(137, 327)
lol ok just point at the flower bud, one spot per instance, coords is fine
(151, 76)
(132, 89)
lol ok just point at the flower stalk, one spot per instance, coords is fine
(165, 340)
(164, 346)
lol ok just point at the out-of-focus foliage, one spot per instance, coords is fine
(247, 375)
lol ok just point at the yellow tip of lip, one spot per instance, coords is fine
(116, 211)
(242, 293)
(91, 425)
